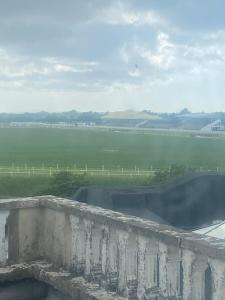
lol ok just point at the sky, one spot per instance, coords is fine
(107, 55)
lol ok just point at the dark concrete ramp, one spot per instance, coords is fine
(188, 202)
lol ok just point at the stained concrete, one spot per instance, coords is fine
(93, 253)
(3, 236)
(60, 283)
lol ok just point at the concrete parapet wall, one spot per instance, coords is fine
(135, 258)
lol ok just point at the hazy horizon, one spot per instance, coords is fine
(109, 111)
(112, 55)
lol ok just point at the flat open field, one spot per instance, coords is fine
(114, 149)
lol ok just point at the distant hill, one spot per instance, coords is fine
(53, 117)
(127, 118)
(131, 115)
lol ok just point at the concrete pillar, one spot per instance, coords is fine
(198, 278)
(173, 272)
(23, 235)
(112, 260)
(77, 245)
(163, 256)
(142, 244)
(188, 258)
(218, 277)
(3, 236)
(104, 252)
(151, 269)
(122, 244)
(88, 247)
(53, 235)
(131, 266)
(96, 268)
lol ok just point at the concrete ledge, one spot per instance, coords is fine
(200, 244)
(14, 273)
(17, 203)
(61, 280)
(104, 251)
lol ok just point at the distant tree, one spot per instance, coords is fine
(146, 111)
(89, 117)
(65, 184)
(177, 170)
(54, 117)
(174, 171)
(185, 111)
(161, 176)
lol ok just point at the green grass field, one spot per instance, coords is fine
(97, 147)
(45, 148)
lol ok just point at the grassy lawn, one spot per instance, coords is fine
(97, 147)
(113, 149)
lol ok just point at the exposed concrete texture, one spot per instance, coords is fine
(61, 284)
(3, 236)
(107, 255)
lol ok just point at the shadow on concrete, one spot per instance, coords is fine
(189, 202)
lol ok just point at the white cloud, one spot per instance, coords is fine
(68, 68)
(120, 13)
(165, 55)
(134, 73)
(19, 71)
(169, 56)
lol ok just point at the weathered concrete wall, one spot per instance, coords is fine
(3, 236)
(136, 258)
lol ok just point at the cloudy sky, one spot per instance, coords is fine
(103, 55)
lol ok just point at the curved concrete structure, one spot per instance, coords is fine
(188, 202)
(93, 253)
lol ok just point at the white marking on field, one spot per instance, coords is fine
(110, 150)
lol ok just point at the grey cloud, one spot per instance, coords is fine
(70, 10)
(201, 15)
(108, 45)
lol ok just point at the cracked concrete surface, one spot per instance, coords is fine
(93, 253)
